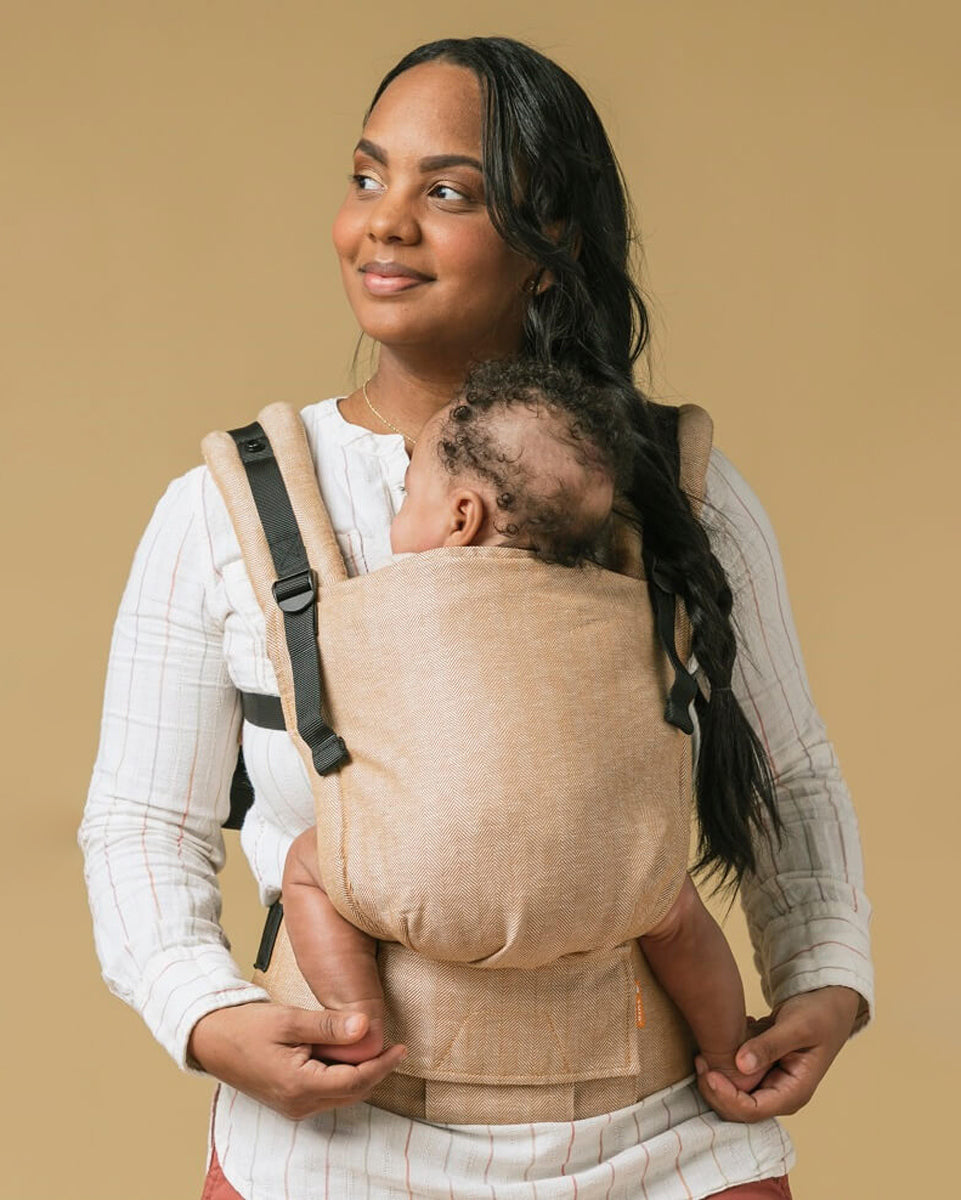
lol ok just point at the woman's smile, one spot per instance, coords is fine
(387, 285)
(386, 278)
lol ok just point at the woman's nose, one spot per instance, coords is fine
(391, 218)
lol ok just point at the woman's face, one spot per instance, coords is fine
(417, 203)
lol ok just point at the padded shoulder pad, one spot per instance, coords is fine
(695, 433)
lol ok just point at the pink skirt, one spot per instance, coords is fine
(216, 1186)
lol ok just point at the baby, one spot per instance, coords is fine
(531, 457)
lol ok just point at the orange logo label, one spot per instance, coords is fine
(638, 1005)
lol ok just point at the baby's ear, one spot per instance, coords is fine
(467, 517)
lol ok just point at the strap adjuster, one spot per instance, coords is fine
(330, 753)
(295, 593)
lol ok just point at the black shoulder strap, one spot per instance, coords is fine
(665, 418)
(295, 591)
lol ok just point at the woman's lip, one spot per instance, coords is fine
(386, 285)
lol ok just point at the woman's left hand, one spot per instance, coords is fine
(796, 1045)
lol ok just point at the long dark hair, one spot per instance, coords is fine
(555, 193)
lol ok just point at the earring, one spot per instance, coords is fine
(533, 284)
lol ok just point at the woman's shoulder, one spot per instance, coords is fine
(324, 415)
(192, 517)
(196, 492)
(735, 519)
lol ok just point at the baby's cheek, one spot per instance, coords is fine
(400, 532)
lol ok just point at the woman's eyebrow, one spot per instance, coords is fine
(434, 162)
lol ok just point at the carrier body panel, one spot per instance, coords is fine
(513, 813)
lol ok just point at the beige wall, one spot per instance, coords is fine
(170, 174)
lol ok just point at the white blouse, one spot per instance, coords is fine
(189, 635)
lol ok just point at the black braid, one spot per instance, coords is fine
(735, 787)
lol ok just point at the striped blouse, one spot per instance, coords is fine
(189, 635)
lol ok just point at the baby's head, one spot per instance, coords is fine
(524, 455)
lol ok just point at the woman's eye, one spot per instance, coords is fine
(456, 193)
(443, 191)
(359, 180)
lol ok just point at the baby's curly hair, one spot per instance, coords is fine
(546, 497)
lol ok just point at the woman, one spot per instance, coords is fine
(485, 215)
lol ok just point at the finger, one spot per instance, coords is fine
(327, 1025)
(722, 1086)
(725, 1098)
(782, 1091)
(328, 1082)
(766, 1048)
(779, 1095)
(365, 1075)
(732, 1104)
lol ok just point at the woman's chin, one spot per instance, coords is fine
(404, 334)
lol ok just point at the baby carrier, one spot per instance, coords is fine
(503, 804)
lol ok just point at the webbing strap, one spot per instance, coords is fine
(266, 712)
(241, 794)
(665, 418)
(295, 591)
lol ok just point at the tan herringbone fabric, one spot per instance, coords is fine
(514, 813)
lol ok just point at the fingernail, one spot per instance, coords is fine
(747, 1062)
(700, 1066)
(354, 1024)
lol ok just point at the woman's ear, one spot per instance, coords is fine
(467, 516)
(542, 279)
(539, 282)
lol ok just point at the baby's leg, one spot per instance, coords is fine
(338, 960)
(693, 962)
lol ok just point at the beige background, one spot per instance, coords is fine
(170, 175)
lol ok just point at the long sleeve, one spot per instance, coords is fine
(151, 830)
(806, 909)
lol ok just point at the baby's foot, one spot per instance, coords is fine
(368, 1046)
(724, 1064)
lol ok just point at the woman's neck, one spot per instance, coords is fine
(405, 393)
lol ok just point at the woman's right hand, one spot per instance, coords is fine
(265, 1050)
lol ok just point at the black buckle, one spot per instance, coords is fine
(295, 592)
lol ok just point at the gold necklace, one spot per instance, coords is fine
(381, 417)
